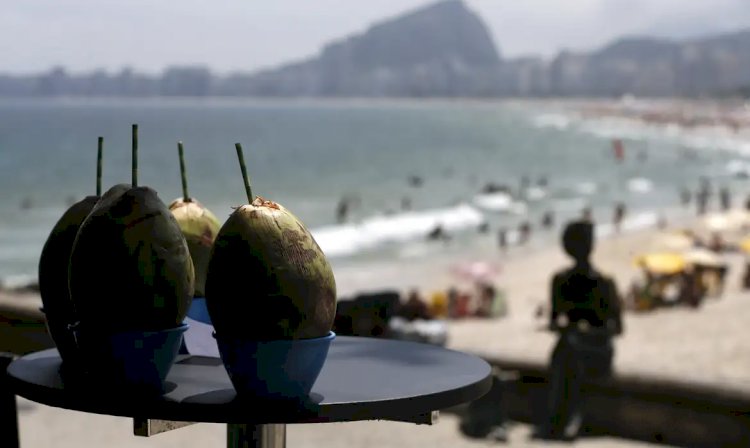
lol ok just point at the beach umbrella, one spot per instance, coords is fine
(703, 257)
(677, 241)
(663, 263)
(476, 270)
(717, 222)
(732, 220)
(745, 245)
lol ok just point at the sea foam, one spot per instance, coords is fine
(349, 239)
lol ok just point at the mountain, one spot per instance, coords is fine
(655, 67)
(440, 50)
(445, 50)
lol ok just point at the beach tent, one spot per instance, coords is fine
(704, 257)
(662, 263)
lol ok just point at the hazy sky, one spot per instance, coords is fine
(230, 35)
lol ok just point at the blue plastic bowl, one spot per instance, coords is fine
(199, 311)
(137, 361)
(283, 369)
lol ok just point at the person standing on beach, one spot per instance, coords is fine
(619, 216)
(586, 313)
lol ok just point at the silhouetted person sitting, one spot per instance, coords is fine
(586, 312)
(414, 307)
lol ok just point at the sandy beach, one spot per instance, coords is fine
(704, 345)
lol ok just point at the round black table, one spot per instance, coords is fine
(362, 379)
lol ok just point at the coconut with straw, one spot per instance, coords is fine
(130, 268)
(54, 262)
(199, 227)
(267, 277)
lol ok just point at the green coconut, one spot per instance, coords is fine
(199, 227)
(130, 268)
(53, 267)
(53, 274)
(268, 278)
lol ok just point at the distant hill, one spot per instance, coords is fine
(654, 67)
(441, 50)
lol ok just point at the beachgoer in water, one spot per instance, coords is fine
(685, 196)
(484, 227)
(619, 216)
(524, 233)
(26, 203)
(415, 181)
(523, 187)
(438, 233)
(701, 201)
(542, 182)
(643, 156)
(548, 220)
(342, 210)
(703, 195)
(406, 203)
(502, 239)
(586, 313)
(725, 199)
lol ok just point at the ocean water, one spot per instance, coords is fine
(308, 155)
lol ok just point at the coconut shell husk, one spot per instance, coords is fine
(199, 227)
(53, 273)
(130, 268)
(268, 278)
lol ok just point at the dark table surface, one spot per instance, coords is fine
(362, 379)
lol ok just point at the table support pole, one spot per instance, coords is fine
(8, 411)
(256, 436)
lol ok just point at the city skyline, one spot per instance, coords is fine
(83, 35)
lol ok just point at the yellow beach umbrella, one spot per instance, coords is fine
(745, 245)
(664, 263)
